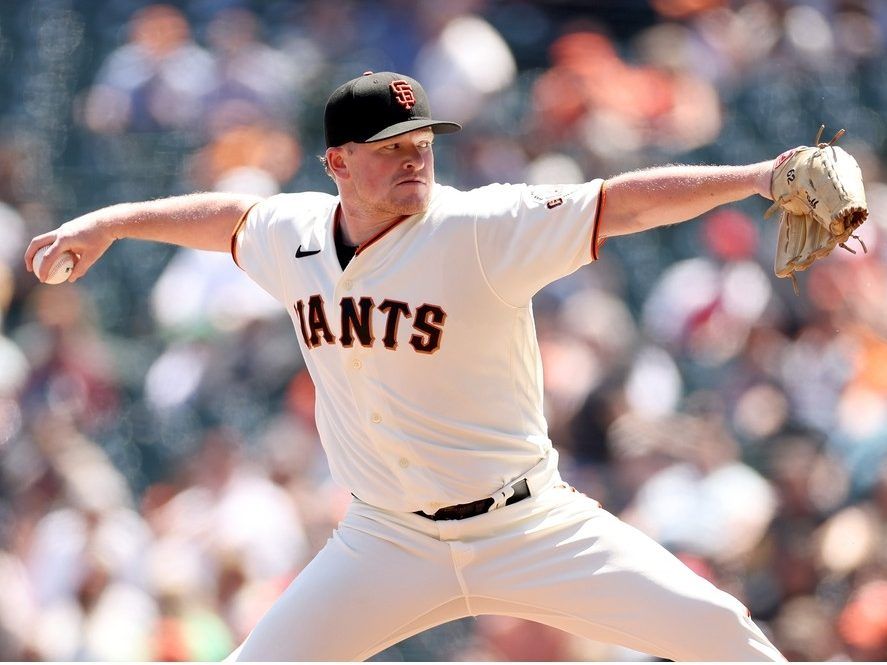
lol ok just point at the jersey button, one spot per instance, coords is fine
(347, 284)
(404, 462)
(376, 418)
(356, 364)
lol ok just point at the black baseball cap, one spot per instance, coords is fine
(377, 106)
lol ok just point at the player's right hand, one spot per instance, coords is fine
(86, 236)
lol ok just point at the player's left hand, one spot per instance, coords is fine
(820, 193)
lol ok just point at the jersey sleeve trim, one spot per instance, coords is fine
(596, 241)
(236, 231)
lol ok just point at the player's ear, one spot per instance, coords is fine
(336, 163)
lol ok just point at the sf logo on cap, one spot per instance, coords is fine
(403, 93)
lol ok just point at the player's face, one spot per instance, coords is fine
(393, 176)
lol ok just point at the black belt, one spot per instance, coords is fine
(465, 510)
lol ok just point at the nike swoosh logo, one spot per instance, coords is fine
(300, 253)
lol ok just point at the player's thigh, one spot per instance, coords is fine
(362, 592)
(589, 573)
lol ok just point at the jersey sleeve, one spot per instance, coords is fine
(254, 250)
(530, 235)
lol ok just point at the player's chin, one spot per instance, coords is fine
(411, 197)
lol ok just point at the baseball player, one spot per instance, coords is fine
(411, 302)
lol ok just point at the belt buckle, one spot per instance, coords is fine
(501, 497)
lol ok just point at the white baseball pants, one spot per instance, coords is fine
(557, 558)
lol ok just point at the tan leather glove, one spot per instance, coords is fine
(820, 193)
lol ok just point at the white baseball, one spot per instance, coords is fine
(59, 271)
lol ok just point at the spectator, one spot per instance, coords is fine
(159, 80)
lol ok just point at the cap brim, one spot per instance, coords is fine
(437, 126)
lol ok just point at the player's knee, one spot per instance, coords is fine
(723, 609)
(727, 621)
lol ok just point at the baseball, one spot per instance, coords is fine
(59, 271)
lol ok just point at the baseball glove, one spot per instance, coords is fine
(820, 193)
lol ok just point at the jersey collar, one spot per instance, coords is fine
(337, 220)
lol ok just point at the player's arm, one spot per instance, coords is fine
(645, 199)
(199, 221)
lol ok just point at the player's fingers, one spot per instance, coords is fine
(86, 255)
(39, 241)
(81, 266)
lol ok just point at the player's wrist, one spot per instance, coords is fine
(764, 179)
(115, 222)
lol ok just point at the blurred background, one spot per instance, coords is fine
(161, 477)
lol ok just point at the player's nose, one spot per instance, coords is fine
(414, 159)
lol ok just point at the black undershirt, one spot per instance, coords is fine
(344, 252)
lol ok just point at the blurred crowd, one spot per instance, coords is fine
(161, 479)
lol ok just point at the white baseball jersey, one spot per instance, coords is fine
(423, 349)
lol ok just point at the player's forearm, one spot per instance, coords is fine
(670, 194)
(199, 221)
